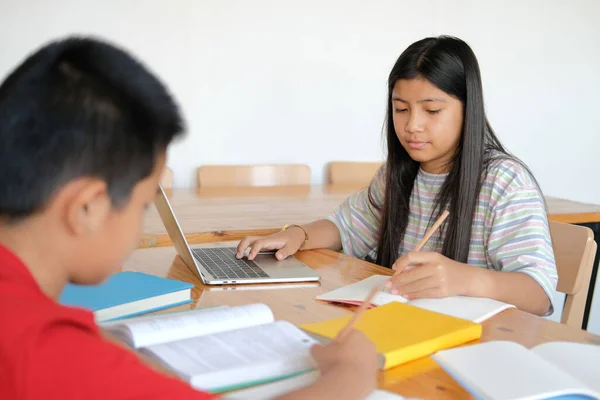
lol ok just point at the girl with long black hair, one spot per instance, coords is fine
(442, 155)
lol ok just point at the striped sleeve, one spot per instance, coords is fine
(520, 240)
(358, 220)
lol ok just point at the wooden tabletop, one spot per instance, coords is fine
(295, 302)
(216, 214)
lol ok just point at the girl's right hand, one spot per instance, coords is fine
(287, 243)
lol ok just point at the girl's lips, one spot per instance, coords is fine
(417, 145)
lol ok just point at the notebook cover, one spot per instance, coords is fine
(402, 332)
(120, 288)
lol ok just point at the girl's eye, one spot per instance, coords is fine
(433, 111)
(400, 110)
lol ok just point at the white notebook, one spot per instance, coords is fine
(221, 348)
(476, 309)
(503, 370)
(275, 389)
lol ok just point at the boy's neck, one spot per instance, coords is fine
(38, 251)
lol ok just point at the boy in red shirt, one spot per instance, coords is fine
(84, 130)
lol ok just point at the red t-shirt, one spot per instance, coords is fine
(49, 351)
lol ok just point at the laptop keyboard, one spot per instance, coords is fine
(222, 264)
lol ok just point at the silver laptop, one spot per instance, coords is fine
(218, 265)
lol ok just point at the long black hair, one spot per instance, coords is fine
(449, 64)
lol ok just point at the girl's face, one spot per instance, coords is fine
(428, 123)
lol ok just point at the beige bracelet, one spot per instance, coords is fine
(303, 230)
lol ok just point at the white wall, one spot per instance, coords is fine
(304, 80)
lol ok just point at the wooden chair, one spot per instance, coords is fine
(253, 175)
(166, 179)
(352, 172)
(574, 251)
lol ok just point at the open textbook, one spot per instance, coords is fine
(503, 370)
(221, 348)
(476, 309)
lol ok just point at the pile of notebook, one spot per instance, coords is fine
(231, 348)
(443, 328)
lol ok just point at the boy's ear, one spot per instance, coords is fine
(88, 208)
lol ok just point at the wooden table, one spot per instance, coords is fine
(216, 214)
(295, 302)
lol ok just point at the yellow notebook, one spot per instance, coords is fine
(402, 332)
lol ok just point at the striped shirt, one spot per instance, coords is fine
(510, 229)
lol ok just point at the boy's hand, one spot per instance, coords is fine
(287, 243)
(430, 275)
(354, 358)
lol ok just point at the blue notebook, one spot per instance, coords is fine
(126, 294)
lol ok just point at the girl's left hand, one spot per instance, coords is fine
(430, 275)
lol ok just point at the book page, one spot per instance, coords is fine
(577, 359)
(275, 389)
(476, 309)
(507, 370)
(357, 292)
(236, 357)
(177, 326)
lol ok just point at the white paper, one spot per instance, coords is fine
(234, 357)
(582, 361)
(503, 370)
(358, 292)
(167, 328)
(476, 309)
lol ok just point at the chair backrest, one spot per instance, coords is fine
(166, 179)
(352, 172)
(253, 175)
(574, 251)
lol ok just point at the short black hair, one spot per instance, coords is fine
(80, 107)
